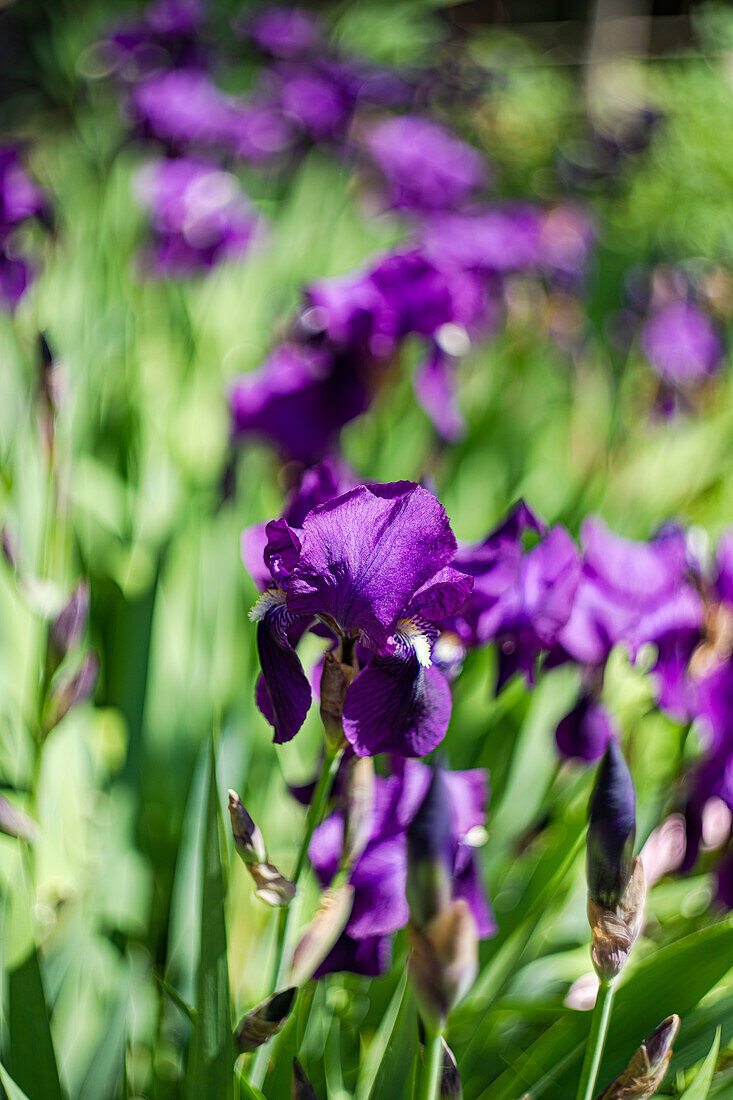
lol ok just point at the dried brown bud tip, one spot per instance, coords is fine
(613, 931)
(336, 678)
(646, 1070)
(265, 1020)
(301, 1088)
(443, 960)
(322, 933)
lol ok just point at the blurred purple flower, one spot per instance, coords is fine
(373, 566)
(20, 200)
(167, 35)
(522, 598)
(680, 342)
(198, 215)
(298, 400)
(16, 275)
(629, 592)
(379, 876)
(566, 243)
(20, 197)
(501, 239)
(283, 32)
(183, 109)
(425, 167)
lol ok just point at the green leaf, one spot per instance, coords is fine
(210, 1070)
(32, 1060)
(673, 979)
(391, 1054)
(10, 1089)
(700, 1087)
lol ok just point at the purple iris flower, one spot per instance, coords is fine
(379, 876)
(501, 239)
(183, 109)
(198, 215)
(20, 197)
(166, 36)
(374, 567)
(681, 343)
(299, 399)
(424, 166)
(630, 593)
(522, 595)
(20, 200)
(319, 96)
(282, 32)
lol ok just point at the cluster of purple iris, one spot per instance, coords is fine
(379, 565)
(21, 200)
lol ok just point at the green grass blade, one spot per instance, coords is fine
(32, 1060)
(211, 1056)
(700, 1087)
(10, 1090)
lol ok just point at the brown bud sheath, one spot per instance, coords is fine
(614, 930)
(443, 960)
(301, 1088)
(358, 806)
(265, 1020)
(336, 679)
(451, 1087)
(646, 1070)
(322, 933)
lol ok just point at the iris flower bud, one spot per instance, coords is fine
(646, 1070)
(443, 961)
(71, 692)
(271, 887)
(429, 887)
(247, 837)
(69, 626)
(301, 1088)
(611, 829)
(265, 1020)
(616, 887)
(15, 822)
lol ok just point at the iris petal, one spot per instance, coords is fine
(396, 704)
(286, 686)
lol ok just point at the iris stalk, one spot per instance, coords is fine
(596, 1041)
(313, 818)
(430, 1076)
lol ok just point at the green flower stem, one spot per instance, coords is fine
(596, 1041)
(313, 818)
(429, 1088)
